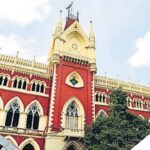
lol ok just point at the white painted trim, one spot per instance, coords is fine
(1, 103)
(11, 101)
(11, 139)
(77, 146)
(31, 141)
(38, 104)
(80, 83)
(101, 111)
(52, 100)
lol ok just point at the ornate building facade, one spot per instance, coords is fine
(46, 106)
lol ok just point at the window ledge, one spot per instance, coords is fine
(23, 91)
(72, 133)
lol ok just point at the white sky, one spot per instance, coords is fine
(122, 32)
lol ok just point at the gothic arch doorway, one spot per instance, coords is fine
(28, 147)
(72, 146)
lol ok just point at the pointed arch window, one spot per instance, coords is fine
(72, 147)
(42, 88)
(28, 147)
(1, 80)
(5, 81)
(19, 84)
(24, 85)
(33, 86)
(15, 83)
(72, 117)
(38, 88)
(33, 117)
(13, 114)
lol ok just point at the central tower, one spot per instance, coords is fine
(73, 65)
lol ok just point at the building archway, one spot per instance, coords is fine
(28, 147)
(29, 143)
(72, 146)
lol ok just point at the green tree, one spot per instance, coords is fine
(120, 131)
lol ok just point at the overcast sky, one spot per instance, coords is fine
(122, 29)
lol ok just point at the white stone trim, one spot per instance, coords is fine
(1, 103)
(52, 100)
(31, 141)
(80, 83)
(93, 98)
(11, 139)
(19, 102)
(38, 104)
(77, 146)
(99, 112)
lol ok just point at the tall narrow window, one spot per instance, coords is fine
(1, 80)
(28, 147)
(42, 88)
(38, 88)
(19, 84)
(33, 87)
(13, 114)
(33, 117)
(97, 97)
(72, 117)
(5, 81)
(24, 85)
(15, 83)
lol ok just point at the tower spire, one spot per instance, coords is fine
(59, 25)
(92, 34)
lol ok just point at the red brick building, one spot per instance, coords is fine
(46, 106)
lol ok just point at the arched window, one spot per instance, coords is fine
(28, 147)
(33, 117)
(33, 87)
(13, 114)
(24, 85)
(19, 84)
(38, 88)
(96, 97)
(100, 98)
(1, 80)
(42, 88)
(15, 83)
(5, 81)
(128, 102)
(72, 117)
(104, 98)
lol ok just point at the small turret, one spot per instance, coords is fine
(92, 35)
(59, 25)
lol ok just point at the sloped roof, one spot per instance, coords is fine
(143, 145)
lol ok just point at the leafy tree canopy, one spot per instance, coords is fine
(120, 131)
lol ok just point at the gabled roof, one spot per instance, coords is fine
(69, 22)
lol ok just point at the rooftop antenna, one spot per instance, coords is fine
(69, 8)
